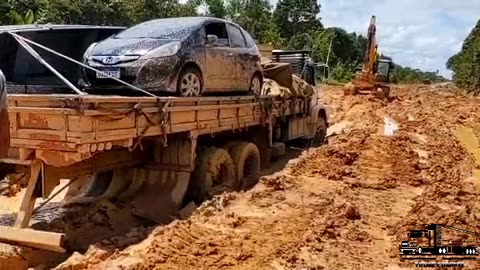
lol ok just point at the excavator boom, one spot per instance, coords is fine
(371, 78)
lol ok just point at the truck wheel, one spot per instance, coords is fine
(190, 82)
(246, 158)
(214, 174)
(321, 133)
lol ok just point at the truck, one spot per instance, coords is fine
(432, 233)
(157, 152)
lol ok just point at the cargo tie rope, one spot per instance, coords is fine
(23, 42)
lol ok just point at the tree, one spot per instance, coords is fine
(254, 16)
(216, 8)
(294, 17)
(466, 64)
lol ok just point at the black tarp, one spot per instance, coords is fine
(20, 68)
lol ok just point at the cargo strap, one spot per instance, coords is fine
(266, 108)
(163, 121)
(137, 110)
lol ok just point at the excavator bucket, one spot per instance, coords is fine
(4, 122)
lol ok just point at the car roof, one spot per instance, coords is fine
(47, 27)
(195, 19)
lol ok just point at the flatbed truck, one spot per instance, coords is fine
(154, 151)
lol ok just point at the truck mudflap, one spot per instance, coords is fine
(4, 122)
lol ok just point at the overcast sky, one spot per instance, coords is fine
(417, 33)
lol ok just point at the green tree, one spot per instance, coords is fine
(254, 16)
(216, 8)
(294, 17)
(466, 64)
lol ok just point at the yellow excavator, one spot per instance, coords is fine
(375, 73)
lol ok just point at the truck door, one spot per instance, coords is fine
(219, 59)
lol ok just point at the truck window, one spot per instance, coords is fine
(220, 30)
(236, 36)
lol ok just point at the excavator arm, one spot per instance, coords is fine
(367, 79)
(371, 53)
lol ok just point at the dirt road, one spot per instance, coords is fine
(346, 205)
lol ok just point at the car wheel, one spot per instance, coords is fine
(256, 85)
(190, 83)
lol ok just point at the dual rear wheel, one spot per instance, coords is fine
(220, 170)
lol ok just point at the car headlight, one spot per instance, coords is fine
(166, 50)
(87, 53)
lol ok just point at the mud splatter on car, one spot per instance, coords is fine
(186, 56)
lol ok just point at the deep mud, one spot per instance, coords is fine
(346, 205)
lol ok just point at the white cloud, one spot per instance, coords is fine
(417, 33)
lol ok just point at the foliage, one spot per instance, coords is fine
(295, 17)
(408, 75)
(466, 64)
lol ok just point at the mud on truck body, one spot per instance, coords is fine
(157, 152)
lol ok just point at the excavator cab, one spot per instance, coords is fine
(384, 68)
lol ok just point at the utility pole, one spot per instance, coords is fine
(328, 56)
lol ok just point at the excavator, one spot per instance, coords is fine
(375, 73)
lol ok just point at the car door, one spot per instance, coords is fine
(218, 58)
(243, 66)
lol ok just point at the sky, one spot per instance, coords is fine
(417, 33)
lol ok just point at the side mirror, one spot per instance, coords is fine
(212, 39)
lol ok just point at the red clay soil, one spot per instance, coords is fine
(346, 205)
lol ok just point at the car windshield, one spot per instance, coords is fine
(171, 29)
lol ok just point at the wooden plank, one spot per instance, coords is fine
(31, 238)
(28, 202)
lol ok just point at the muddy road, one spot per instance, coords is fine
(346, 205)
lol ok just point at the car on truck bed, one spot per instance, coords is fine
(187, 56)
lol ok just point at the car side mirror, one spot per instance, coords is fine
(212, 39)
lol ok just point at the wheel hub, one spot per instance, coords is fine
(190, 85)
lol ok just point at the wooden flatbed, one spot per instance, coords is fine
(154, 142)
(75, 128)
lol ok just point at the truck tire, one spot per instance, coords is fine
(213, 175)
(321, 133)
(246, 158)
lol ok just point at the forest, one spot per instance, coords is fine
(466, 64)
(290, 24)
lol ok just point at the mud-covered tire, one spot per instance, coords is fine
(320, 133)
(246, 158)
(256, 84)
(228, 146)
(213, 175)
(278, 149)
(190, 75)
